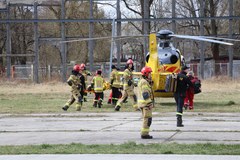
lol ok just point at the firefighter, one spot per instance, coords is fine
(74, 81)
(98, 84)
(183, 82)
(85, 73)
(146, 101)
(115, 84)
(128, 86)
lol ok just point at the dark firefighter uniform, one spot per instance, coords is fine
(128, 87)
(182, 84)
(85, 73)
(145, 101)
(75, 83)
(115, 83)
(98, 85)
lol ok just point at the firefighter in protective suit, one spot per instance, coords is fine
(146, 101)
(115, 84)
(98, 84)
(74, 81)
(85, 73)
(128, 86)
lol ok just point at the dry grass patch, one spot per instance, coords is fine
(218, 95)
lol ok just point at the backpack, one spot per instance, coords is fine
(197, 86)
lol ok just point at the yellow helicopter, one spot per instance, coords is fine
(165, 60)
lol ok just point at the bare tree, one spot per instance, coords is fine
(78, 51)
(22, 37)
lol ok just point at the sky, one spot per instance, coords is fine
(111, 11)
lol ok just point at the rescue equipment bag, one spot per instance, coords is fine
(171, 83)
(197, 86)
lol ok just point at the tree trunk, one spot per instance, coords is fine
(214, 29)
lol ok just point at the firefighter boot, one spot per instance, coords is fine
(179, 121)
(65, 108)
(99, 104)
(95, 104)
(146, 137)
(117, 108)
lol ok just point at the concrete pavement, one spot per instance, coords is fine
(117, 128)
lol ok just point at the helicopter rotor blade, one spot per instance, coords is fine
(200, 39)
(84, 39)
(116, 38)
(220, 38)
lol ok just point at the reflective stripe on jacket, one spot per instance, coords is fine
(115, 78)
(98, 83)
(144, 87)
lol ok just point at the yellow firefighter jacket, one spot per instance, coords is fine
(115, 79)
(127, 76)
(98, 83)
(86, 73)
(144, 87)
(75, 83)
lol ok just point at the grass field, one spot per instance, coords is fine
(218, 95)
(126, 148)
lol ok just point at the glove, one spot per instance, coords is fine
(135, 84)
(151, 82)
(129, 82)
(69, 83)
(79, 86)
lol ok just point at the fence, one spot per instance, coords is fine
(210, 66)
(25, 72)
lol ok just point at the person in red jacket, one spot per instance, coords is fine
(188, 101)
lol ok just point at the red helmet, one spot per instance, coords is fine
(77, 68)
(82, 66)
(130, 61)
(146, 70)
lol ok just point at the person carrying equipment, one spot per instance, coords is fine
(146, 101)
(183, 83)
(188, 101)
(115, 84)
(74, 81)
(98, 84)
(85, 73)
(128, 86)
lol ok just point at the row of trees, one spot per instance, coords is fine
(22, 33)
(22, 40)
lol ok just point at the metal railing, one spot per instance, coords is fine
(25, 72)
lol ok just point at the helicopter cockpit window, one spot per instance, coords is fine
(164, 44)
